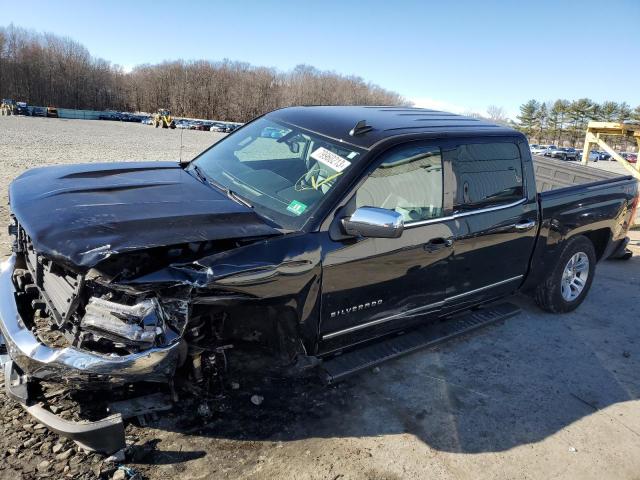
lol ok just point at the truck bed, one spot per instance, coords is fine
(553, 174)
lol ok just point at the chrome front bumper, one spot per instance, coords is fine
(71, 364)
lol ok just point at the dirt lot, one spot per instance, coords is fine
(538, 396)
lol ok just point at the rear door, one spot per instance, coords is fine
(496, 215)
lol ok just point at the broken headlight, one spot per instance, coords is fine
(141, 323)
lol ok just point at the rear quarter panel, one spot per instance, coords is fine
(603, 207)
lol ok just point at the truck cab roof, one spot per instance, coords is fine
(383, 122)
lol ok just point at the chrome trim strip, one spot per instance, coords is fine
(355, 328)
(463, 214)
(380, 320)
(486, 287)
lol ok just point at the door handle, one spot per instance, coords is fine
(524, 226)
(436, 244)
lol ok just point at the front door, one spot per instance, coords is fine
(371, 286)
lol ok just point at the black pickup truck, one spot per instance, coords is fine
(308, 232)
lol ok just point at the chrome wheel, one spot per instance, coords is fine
(574, 277)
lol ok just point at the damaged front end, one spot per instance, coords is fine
(140, 275)
(60, 325)
(79, 330)
(153, 316)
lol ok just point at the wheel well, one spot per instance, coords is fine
(600, 239)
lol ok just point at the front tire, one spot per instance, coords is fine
(568, 283)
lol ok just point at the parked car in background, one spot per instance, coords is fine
(594, 156)
(200, 125)
(546, 152)
(52, 112)
(538, 149)
(217, 127)
(603, 156)
(630, 157)
(130, 117)
(563, 153)
(147, 121)
(183, 123)
(22, 108)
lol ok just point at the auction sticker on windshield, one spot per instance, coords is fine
(297, 207)
(330, 159)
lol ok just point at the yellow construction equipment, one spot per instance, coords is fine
(163, 119)
(7, 107)
(593, 137)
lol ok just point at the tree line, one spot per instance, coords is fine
(564, 122)
(49, 70)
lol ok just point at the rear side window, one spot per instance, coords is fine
(408, 181)
(486, 175)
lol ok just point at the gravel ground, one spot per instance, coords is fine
(538, 396)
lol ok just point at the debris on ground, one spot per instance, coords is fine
(117, 457)
(36, 452)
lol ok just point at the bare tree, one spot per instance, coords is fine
(44, 69)
(497, 114)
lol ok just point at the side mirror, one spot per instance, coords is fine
(374, 222)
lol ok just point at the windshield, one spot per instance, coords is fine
(281, 171)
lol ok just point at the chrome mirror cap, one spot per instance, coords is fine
(374, 222)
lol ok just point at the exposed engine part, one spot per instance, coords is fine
(208, 369)
(196, 367)
(139, 323)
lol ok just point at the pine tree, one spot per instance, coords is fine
(556, 120)
(566, 120)
(527, 117)
(609, 112)
(579, 113)
(541, 122)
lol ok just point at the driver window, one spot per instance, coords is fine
(409, 181)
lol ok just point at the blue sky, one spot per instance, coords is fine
(455, 55)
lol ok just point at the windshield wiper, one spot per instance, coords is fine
(234, 196)
(230, 193)
(200, 174)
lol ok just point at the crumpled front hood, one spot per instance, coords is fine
(81, 214)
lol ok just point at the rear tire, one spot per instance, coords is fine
(549, 294)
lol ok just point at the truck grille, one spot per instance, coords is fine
(58, 287)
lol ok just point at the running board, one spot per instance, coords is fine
(340, 366)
